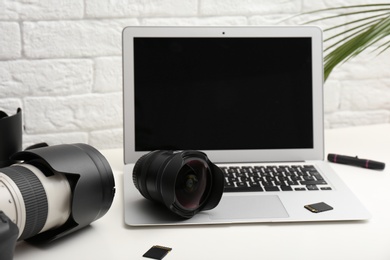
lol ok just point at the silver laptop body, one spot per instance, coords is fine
(244, 96)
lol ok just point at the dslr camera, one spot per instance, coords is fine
(47, 192)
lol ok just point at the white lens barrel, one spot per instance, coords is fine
(57, 192)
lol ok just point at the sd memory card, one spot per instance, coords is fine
(157, 252)
(318, 207)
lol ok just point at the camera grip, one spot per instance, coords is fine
(8, 236)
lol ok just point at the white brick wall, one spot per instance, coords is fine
(10, 40)
(60, 61)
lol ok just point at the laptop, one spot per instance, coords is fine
(251, 98)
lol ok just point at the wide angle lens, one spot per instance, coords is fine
(185, 182)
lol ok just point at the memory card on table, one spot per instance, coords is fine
(157, 252)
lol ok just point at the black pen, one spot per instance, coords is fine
(355, 161)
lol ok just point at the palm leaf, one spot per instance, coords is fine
(353, 41)
(353, 31)
(355, 45)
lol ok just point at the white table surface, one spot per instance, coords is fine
(109, 238)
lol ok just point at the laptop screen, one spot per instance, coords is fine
(240, 94)
(223, 93)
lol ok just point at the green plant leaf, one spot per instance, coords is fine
(358, 43)
(369, 30)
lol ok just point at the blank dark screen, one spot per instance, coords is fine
(223, 93)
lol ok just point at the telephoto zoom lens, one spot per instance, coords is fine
(55, 190)
(185, 182)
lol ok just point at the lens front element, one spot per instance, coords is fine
(191, 184)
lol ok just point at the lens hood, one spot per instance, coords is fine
(90, 177)
(10, 136)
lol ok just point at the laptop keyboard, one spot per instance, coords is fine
(273, 178)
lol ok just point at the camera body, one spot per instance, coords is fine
(8, 235)
(10, 136)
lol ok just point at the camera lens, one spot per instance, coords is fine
(185, 182)
(56, 190)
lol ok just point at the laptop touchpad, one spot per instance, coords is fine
(249, 207)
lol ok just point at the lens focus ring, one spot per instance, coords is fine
(34, 197)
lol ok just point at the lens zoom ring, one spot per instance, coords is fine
(34, 197)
